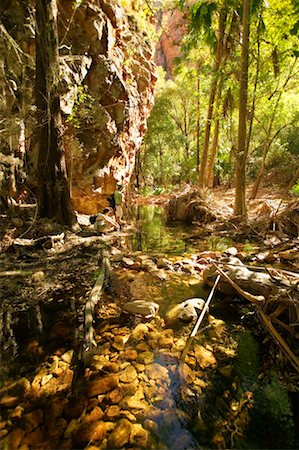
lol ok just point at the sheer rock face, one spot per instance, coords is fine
(169, 45)
(108, 90)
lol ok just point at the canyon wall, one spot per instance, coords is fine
(109, 78)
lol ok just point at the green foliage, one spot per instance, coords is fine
(295, 189)
(272, 417)
(82, 113)
(169, 146)
(248, 357)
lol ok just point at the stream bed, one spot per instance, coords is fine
(136, 392)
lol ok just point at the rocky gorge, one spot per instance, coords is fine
(107, 78)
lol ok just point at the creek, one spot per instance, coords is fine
(225, 395)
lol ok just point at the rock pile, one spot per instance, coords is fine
(125, 398)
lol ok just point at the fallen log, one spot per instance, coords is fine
(265, 319)
(89, 338)
(254, 282)
(45, 242)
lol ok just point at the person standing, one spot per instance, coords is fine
(118, 198)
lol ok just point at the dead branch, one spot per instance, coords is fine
(279, 339)
(256, 299)
(89, 333)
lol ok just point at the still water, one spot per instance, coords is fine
(242, 404)
(252, 398)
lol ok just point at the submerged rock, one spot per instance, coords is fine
(141, 308)
(90, 432)
(120, 436)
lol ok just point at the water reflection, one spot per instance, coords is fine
(151, 233)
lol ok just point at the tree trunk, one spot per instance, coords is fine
(257, 73)
(197, 123)
(261, 171)
(214, 150)
(219, 53)
(268, 140)
(54, 196)
(241, 156)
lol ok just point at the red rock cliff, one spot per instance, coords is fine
(112, 60)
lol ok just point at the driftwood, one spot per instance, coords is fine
(254, 282)
(40, 243)
(189, 205)
(279, 295)
(89, 333)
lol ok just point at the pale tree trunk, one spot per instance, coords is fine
(213, 89)
(241, 155)
(54, 197)
(257, 73)
(197, 123)
(268, 140)
(214, 150)
(266, 148)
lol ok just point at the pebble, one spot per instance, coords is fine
(129, 355)
(120, 436)
(119, 342)
(204, 357)
(67, 356)
(114, 396)
(45, 379)
(101, 385)
(128, 375)
(145, 357)
(139, 436)
(112, 412)
(90, 432)
(157, 372)
(140, 331)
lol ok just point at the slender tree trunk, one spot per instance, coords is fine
(54, 197)
(214, 150)
(137, 170)
(206, 144)
(259, 177)
(186, 133)
(197, 122)
(257, 73)
(266, 148)
(268, 140)
(240, 195)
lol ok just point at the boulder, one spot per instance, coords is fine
(185, 311)
(141, 308)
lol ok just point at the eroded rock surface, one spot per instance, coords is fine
(109, 94)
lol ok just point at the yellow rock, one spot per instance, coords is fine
(139, 436)
(128, 375)
(120, 436)
(204, 357)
